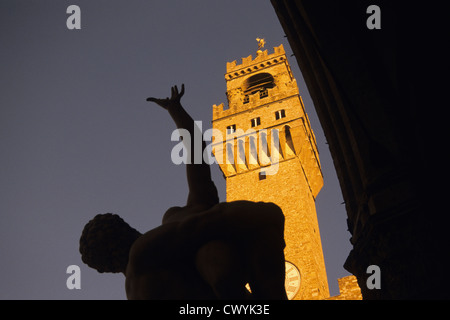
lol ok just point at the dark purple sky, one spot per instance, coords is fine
(77, 137)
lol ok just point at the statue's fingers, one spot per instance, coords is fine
(158, 101)
(182, 90)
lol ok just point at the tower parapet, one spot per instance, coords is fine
(267, 74)
(262, 60)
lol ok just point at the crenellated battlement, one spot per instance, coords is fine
(262, 60)
(284, 90)
(256, 82)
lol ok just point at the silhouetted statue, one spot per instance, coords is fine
(204, 250)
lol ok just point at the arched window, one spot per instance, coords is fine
(258, 83)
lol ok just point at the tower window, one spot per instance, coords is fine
(259, 83)
(264, 93)
(280, 114)
(231, 129)
(256, 122)
(262, 175)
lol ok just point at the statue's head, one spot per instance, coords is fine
(105, 243)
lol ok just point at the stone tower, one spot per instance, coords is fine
(268, 153)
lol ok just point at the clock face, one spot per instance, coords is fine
(292, 281)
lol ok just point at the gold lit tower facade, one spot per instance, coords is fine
(268, 153)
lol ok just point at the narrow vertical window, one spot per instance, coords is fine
(280, 114)
(256, 122)
(231, 129)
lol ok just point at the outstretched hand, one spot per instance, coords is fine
(174, 99)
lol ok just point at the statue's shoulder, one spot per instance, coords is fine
(148, 249)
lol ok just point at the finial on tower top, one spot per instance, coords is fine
(261, 43)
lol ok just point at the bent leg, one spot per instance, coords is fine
(267, 272)
(219, 265)
(261, 228)
(256, 232)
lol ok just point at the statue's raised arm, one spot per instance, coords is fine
(202, 190)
